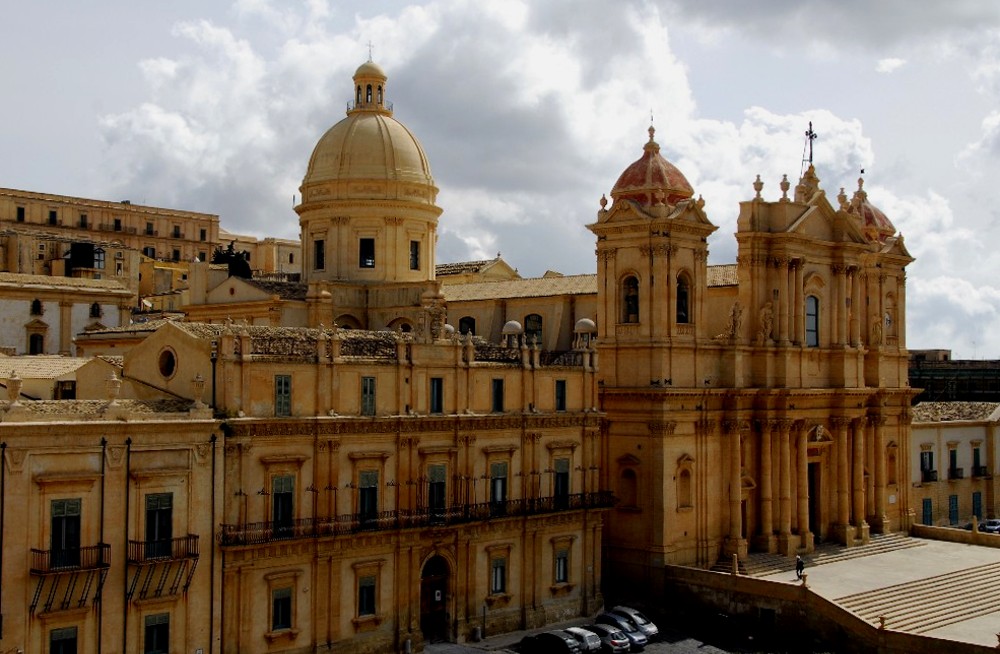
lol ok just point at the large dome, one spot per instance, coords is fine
(369, 154)
(873, 222)
(652, 179)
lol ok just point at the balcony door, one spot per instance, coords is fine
(65, 533)
(159, 524)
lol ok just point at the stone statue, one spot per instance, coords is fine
(765, 320)
(734, 324)
(877, 331)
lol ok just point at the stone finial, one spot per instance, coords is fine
(604, 201)
(14, 387)
(114, 387)
(758, 186)
(198, 390)
(784, 185)
(842, 199)
(700, 203)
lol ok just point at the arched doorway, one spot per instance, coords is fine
(434, 600)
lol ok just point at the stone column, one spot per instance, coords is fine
(844, 530)
(766, 477)
(787, 304)
(858, 482)
(735, 544)
(799, 302)
(856, 309)
(881, 519)
(802, 476)
(842, 304)
(785, 487)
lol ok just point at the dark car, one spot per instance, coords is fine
(556, 641)
(645, 625)
(612, 638)
(637, 639)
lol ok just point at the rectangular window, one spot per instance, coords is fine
(498, 576)
(368, 495)
(281, 609)
(976, 458)
(560, 395)
(291, 257)
(366, 253)
(176, 255)
(498, 488)
(100, 257)
(118, 224)
(927, 512)
(83, 220)
(62, 641)
(366, 596)
(66, 533)
(560, 490)
(367, 396)
(149, 230)
(436, 476)
(177, 231)
(437, 395)
(977, 505)
(953, 509)
(562, 567)
(282, 395)
(159, 524)
(202, 256)
(157, 636)
(319, 254)
(53, 217)
(203, 235)
(952, 458)
(149, 251)
(414, 255)
(812, 321)
(283, 505)
(497, 396)
(20, 219)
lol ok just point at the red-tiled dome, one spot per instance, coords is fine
(652, 179)
(874, 223)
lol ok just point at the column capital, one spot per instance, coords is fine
(661, 428)
(735, 425)
(841, 422)
(877, 420)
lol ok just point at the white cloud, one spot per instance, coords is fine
(889, 65)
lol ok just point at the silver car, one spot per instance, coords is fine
(589, 641)
(645, 625)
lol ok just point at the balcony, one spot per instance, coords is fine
(141, 551)
(956, 473)
(980, 471)
(48, 562)
(928, 476)
(257, 533)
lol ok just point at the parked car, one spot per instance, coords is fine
(645, 625)
(555, 641)
(613, 640)
(637, 639)
(990, 526)
(589, 641)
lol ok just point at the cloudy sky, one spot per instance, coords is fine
(528, 111)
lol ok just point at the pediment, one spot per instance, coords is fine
(628, 460)
(819, 434)
(234, 290)
(36, 324)
(685, 460)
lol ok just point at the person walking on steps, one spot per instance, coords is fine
(800, 566)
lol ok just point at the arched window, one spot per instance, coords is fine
(630, 300)
(683, 299)
(627, 488)
(36, 344)
(368, 94)
(36, 307)
(812, 321)
(466, 325)
(533, 329)
(95, 310)
(380, 94)
(357, 100)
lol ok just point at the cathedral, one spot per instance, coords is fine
(388, 451)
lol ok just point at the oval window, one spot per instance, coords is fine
(168, 363)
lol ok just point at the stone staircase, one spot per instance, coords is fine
(927, 604)
(759, 564)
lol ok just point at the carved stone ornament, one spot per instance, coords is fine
(15, 459)
(116, 456)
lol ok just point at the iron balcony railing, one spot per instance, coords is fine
(256, 533)
(44, 562)
(979, 471)
(146, 551)
(928, 475)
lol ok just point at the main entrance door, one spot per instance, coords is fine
(433, 599)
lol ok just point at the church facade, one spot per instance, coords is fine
(394, 459)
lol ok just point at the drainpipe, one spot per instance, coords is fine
(128, 474)
(100, 602)
(215, 359)
(3, 504)
(211, 573)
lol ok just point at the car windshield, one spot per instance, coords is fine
(618, 635)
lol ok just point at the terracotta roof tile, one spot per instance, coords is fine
(949, 411)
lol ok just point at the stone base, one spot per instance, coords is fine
(844, 534)
(807, 542)
(737, 546)
(765, 543)
(881, 524)
(788, 544)
(862, 534)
